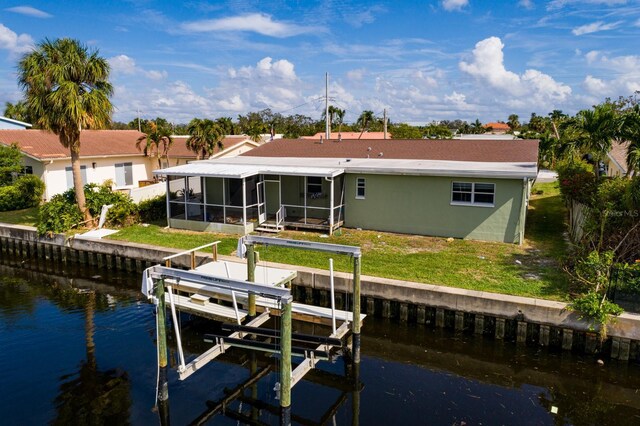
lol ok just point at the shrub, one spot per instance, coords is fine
(596, 311)
(58, 215)
(62, 212)
(25, 192)
(153, 210)
(577, 181)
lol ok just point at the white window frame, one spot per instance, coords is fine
(363, 186)
(473, 201)
(314, 187)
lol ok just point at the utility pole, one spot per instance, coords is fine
(385, 122)
(139, 120)
(327, 133)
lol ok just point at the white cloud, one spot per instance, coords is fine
(13, 42)
(595, 27)
(451, 5)
(124, 64)
(254, 22)
(356, 75)
(559, 4)
(527, 4)
(29, 11)
(234, 104)
(367, 16)
(531, 88)
(624, 69)
(637, 23)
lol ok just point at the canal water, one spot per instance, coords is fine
(78, 347)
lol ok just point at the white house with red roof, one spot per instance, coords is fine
(105, 155)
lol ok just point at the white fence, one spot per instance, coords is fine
(577, 215)
(149, 191)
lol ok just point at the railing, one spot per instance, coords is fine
(306, 209)
(192, 252)
(280, 215)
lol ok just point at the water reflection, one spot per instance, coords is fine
(89, 357)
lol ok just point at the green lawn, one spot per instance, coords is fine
(20, 217)
(528, 270)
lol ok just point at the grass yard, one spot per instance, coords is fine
(528, 270)
(27, 217)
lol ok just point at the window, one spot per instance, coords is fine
(83, 172)
(360, 188)
(482, 194)
(124, 174)
(314, 185)
(27, 170)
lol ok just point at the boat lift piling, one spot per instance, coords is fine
(162, 395)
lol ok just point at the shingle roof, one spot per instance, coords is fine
(179, 147)
(45, 145)
(512, 151)
(619, 154)
(349, 135)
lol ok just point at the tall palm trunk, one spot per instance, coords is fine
(78, 185)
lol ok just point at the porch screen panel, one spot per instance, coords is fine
(176, 188)
(233, 192)
(195, 190)
(252, 190)
(214, 190)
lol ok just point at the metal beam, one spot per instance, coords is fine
(308, 245)
(266, 346)
(160, 272)
(298, 337)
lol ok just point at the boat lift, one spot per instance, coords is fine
(194, 290)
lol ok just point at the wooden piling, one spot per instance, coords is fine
(356, 311)
(404, 312)
(251, 277)
(161, 323)
(615, 347)
(371, 306)
(285, 365)
(591, 343)
(421, 314)
(625, 346)
(386, 309)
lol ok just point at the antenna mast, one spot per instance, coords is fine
(327, 119)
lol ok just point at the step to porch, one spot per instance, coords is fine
(270, 227)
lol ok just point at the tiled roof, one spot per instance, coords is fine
(349, 135)
(45, 145)
(497, 126)
(514, 151)
(179, 146)
(619, 154)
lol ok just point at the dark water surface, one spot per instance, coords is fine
(78, 347)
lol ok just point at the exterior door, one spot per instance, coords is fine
(262, 214)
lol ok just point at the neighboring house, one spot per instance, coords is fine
(475, 189)
(104, 155)
(486, 136)
(232, 146)
(348, 135)
(11, 124)
(497, 128)
(616, 160)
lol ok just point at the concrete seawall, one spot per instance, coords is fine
(521, 319)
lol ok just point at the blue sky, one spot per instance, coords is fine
(421, 60)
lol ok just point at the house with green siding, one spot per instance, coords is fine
(475, 189)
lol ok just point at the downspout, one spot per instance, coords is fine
(168, 206)
(523, 211)
(330, 206)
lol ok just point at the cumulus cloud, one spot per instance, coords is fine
(595, 27)
(13, 42)
(254, 22)
(451, 5)
(527, 4)
(29, 11)
(533, 86)
(624, 68)
(356, 75)
(124, 64)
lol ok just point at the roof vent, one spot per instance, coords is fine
(320, 138)
(380, 155)
(339, 137)
(369, 149)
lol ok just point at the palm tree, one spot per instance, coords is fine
(158, 139)
(631, 132)
(255, 130)
(67, 90)
(205, 136)
(227, 125)
(597, 129)
(364, 121)
(17, 111)
(514, 122)
(477, 127)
